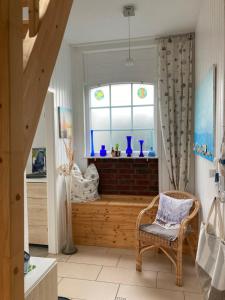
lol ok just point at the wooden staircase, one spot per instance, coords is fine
(28, 52)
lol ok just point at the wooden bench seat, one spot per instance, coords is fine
(110, 221)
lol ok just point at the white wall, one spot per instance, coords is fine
(210, 50)
(61, 86)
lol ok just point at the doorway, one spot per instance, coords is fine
(41, 232)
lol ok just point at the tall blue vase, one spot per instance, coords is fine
(129, 150)
(141, 148)
(92, 144)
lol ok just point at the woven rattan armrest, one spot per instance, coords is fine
(145, 212)
(188, 219)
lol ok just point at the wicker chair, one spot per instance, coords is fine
(172, 249)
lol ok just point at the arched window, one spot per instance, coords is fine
(118, 110)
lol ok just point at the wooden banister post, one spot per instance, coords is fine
(33, 17)
(40, 64)
(11, 152)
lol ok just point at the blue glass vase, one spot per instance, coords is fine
(92, 144)
(103, 151)
(129, 150)
(141, 148)
(151, 152)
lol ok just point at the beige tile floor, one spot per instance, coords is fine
(98, 273)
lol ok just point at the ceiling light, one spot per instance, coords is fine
(129, 11)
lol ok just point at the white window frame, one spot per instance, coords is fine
(88, 108)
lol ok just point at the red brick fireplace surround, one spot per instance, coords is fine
(127, 176)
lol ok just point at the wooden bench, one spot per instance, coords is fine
(110, 221)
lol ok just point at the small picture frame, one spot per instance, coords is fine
(39, 160)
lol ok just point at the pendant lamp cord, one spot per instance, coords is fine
(129, 36)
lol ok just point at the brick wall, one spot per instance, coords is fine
(127, 176)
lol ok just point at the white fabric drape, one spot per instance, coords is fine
(175, 104)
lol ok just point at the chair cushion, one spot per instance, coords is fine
(172, 211)
(167, 234)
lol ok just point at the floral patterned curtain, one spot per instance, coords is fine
(175, 104)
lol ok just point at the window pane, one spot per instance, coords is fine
(147, 136)
(143, 94)
(101, 138)
(99, 96)
(121, 118)
(121, 94)
(119, 137)
(143, 117)
(100, 118)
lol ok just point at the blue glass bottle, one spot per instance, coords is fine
(141, 148)
(92, 144)
(129, 150)
(103, 151)
(151, 152)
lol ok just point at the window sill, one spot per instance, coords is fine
(121, 157)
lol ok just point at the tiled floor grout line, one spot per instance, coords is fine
(117, 291)
(134, 284)
(76, 278)
(156, 283)
(82, 263)
(91, 280)
(68, 258)
(118, 261)
(130, 284)
(99, 274)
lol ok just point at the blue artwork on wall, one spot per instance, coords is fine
(204, 131)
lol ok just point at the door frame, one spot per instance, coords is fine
(53, 241)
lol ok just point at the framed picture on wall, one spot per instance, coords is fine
(65, 122)
(39, 160)
(205, 116)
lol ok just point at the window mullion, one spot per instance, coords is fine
(110, 115)
(132, 109)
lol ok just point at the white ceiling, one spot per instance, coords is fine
(102, 20)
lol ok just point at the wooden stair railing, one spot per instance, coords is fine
(32, 24)
(43, 50)
(23, 87)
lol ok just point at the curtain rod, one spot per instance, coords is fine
(174, 35)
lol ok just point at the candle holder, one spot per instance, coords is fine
(141, 148)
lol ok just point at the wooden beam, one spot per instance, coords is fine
(24, 3)
(40, 65)
(33, 17)
(25, 27)
(11, 152)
